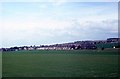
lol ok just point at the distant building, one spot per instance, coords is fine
(113, 40)
(78, 45)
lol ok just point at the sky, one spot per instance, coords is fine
(37, 23)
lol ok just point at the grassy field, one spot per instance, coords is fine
(60, 63)
(0, 64)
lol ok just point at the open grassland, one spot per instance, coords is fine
(0, 64)
(60, 63)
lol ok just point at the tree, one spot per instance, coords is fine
(73, 47)
(102, 48)
(79, 47)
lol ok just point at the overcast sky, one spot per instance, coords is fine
(36, 23)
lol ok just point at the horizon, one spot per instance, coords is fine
(25, 23)
(56, 43)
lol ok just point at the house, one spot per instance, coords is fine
(113, 40)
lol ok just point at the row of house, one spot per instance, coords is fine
(66, 46)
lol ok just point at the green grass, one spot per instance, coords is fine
(108, 45)
(60, 63)
(0, 64)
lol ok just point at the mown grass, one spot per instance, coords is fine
(60, 63)
(0, 64)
